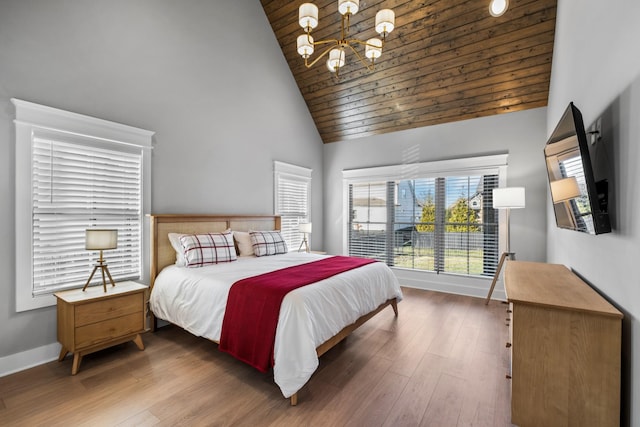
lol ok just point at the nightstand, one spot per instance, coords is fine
(93, 320)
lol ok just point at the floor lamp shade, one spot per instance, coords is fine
(101, 239)
(508, 198)
(564, 189)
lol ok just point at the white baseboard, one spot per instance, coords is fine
(28, 359)
(448, 283)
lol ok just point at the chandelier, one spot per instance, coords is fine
(308, 19)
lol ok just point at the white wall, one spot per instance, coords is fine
(596, 64)
(520, 134)
(207, 76)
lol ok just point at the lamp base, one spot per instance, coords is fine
(305, 243)
(103, 266)
(503, 257)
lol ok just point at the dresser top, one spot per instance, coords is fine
(94, 292)
(553, 285)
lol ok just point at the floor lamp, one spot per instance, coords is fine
(505, 198)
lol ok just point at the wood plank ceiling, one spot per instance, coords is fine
(446, 60)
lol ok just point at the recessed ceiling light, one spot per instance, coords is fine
(498, 7)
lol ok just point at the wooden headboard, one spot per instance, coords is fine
(162, 254)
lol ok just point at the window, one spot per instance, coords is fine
(75, 172)
(292, 200)
(438, 219)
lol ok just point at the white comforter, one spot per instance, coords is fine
(195, 299)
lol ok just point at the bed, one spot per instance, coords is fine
(329, 310)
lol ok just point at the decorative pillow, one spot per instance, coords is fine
(208, 249)
(267, 243)
(174, 239)
(243, 241)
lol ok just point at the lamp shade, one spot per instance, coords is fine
(101, 239)
(308, 16)
(348, 6)
(336, 59)
(373, 49)
(304, 44)
(305, 227)
(385, 21)
(508, 198)
(564, 189)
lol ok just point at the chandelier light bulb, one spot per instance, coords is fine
(385, 21)
(498, 7)
(373, 49)
(308, 16)
(348, 6)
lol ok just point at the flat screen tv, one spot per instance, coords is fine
(579, 198)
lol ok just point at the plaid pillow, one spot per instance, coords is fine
(268, 243)
(208, 249)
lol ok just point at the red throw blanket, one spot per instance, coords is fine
(253, 307)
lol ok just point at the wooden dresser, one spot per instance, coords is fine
(565, 349)
(93, 320)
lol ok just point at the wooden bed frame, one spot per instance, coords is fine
(163, 254)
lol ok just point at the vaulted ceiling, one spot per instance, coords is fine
(446, 60)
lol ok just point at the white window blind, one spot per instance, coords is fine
(292, 200)
(75, 172)
(76, 187)
(439, 220)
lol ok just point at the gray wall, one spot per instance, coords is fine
(596, 64)
(520, 134)
(207, 76)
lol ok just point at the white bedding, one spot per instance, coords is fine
(195, 299)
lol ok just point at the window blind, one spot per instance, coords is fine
(443, 224)
(75, 187)
(292, 191)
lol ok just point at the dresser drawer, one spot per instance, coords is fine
(96, 333)
(97, 311)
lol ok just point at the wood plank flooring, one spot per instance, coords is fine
(442, 362)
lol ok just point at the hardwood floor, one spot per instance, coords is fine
(442, 362)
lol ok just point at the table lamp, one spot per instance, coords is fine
(305, 229)
(100, 239)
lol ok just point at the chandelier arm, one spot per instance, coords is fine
(362, 42)
(324, 53)
(368, 65)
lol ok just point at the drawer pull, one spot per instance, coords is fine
(508, 376)
(508, 345)
(509, 311)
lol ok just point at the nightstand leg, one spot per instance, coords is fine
(77, 359)
(63, 354)
(138, 341)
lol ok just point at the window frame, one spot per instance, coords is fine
(484, 165)
(282, 170)
(32, 119)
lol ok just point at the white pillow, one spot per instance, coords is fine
(207, 249)
(267, 243)
(174, 239)
(243, 239)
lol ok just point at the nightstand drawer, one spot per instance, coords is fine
(97, 311)
(96, 333)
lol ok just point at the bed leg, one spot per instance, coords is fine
(394, 305)
(294, 399)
